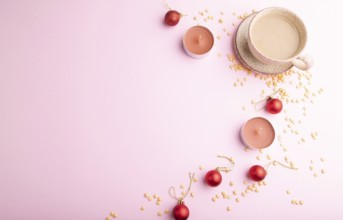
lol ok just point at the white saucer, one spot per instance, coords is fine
(245, 56)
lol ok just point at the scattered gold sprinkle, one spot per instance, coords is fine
(323, 171)
(166, 211)
(295, 202)
(258, 158)
(234, 192)
(146, 195)
(288, 192)
(315, 174)
(257, 190)
(149, 198)
(113, 214)
(286, 159)
(245, 182)
(155, 195)
(142, 208)
(311, 168)
(301, 202)
(214, 199)
(181, 187)
(159, 213)
(201, 167)
(237, 200)
(192, 194)
(228, 209)
(195, 179)
(220, 20)
(322, 159)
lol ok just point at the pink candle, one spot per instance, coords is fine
(198, 41)
(257, 133)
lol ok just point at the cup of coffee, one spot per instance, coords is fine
(278, 36)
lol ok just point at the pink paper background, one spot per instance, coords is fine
(99, 104)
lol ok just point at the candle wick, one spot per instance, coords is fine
(257, 131)
(200, 39)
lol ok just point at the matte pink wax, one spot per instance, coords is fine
(257, 133)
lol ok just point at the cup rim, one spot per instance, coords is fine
(261, 13)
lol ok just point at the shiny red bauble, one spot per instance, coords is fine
(274, 106)
(213, 178)
(180, 212)
(257, 173)
(172, 18)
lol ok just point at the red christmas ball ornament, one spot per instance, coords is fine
(172, 18)
(180, 211)
(213, 178)
(257, 173)
(274, 106)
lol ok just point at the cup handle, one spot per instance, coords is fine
(304, 62)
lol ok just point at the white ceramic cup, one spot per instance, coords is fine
(278, 36)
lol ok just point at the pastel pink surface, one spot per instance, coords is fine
(99, 104)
